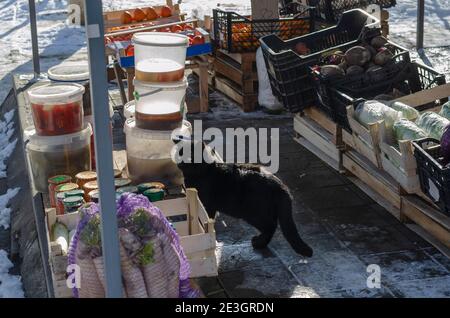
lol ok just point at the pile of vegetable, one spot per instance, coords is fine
(153, 263)
(366, 58)
(403, 122)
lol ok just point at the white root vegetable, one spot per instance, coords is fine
(132, 276)
(60, 234)
(172, 260)
(154, 273)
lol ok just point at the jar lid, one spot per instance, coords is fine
(154, 195)
(161, 39)
(69, 72)
(73, 201)
(91, 185)
(94, 194)
(55, 180)
(73, 193)
(150, 185)
(66, 187)
(60, 196)
(128, 189)
(55, 93)
(86, 175)
(36, 141)
(184, 132)
(121, 182)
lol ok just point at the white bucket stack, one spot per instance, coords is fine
(160, 88)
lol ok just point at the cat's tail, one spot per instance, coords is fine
(289, 229)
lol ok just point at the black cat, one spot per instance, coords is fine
(245, 192)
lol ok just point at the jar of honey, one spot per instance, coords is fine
(85, 177)
(88, 187)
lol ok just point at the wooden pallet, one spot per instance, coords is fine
(318, 140)
(195, 228)
(236, 77)
(427, 221)
(378, 185)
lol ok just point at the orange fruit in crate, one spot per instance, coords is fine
(166, 12)
(151, 14)
(176, 28)
(126, 18)
(198, 39)
(139, 15)
(188, 27)
(164, 29)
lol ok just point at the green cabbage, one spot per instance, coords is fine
(407, 130)
(408, 112)
(433, 124)
(445, 110)
(372, 111)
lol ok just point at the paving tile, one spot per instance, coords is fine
(243, 256)
(438, 257)
(372, 238)
(335, 270)
(330, 197)
(358, 215)
(264, 282)
(302, 179)
(425, 288)
(360, 293)
(405, 265)
(233, 231)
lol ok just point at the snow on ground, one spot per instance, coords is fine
(10, 285)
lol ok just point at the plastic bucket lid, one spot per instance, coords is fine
(41, 143)
(55, 93)
(166, 86)
(132, 131)
(161, 39)
(69, 72)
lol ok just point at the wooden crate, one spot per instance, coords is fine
(364, 141)
(378, 185)
(188, 216)
(427, 221)
(400, 162)
(112, 19)
(236, 77)
(323, 142)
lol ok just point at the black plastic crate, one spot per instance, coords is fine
(289, 72)
(332, 10)
(414, 78)
(433, 176)
(235, 33)
(363, 85)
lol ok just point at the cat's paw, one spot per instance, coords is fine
(259, 242)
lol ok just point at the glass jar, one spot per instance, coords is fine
(150, 185)
(154, 194)
(53, 182)
(72, 204)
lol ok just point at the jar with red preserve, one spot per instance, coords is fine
(53, 182)
(57, 109)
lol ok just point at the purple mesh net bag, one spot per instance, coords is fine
(126, 205)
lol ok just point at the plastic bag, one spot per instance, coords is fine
(265, 96)
(372, 111)
(433, 124)
(407, 130)
(407, 111)
(445, 110)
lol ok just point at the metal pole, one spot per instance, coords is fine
(103, 146)
(34, 38)
(420, 23)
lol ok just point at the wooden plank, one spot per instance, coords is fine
(430, 239)
(332, 162)
(374, 179)
(322, 119)
(198, 242)
(246, 102)
(426, 96)
(206, 267)
(192, 198)
(319, 137)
